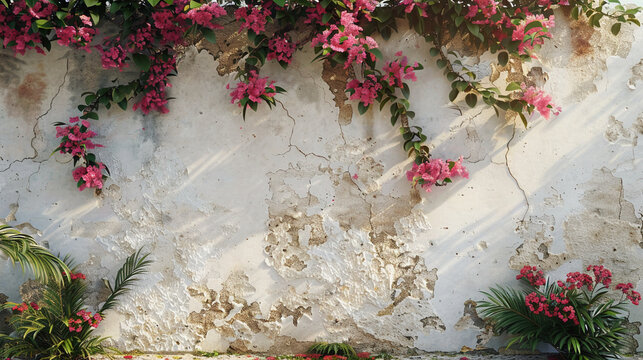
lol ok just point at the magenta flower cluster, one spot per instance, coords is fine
(346, 38)
(364, 91)
(436, 172)
(281, 48)
(76, 139)
(252, 90)
(398, 70)
(540, 100)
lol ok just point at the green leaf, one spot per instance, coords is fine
(532, 25)
(616, 28)
(471, 99)
(280, 2)
(153, 2)
(461, 85)
(91, 3)
(474, 29)
(405, 91)
(452, 76)
(453, 94)
(95, 18)
(434, 52)
(209, 35)
(194, 4)
(459, 20)
(503, 58)
(377, 53)
(513, 86)
(30, 3)
(362, 109)
(441, 63)
(123, 104)
(142, 61)
(326, 17)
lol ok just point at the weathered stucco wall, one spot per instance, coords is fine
(264, 241)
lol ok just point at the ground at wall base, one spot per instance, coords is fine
(428, 356)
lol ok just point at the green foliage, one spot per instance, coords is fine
(24, 250)
(44, 330)
(599, 335)
(325, 348)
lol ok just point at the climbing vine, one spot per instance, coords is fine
(340, 32)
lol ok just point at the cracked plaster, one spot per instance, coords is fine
(298, 224)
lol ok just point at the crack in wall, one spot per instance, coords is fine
(35, 133)
(292, 131)
(524, 194)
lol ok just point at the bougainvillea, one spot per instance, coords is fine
(340, 31)
(578, 316)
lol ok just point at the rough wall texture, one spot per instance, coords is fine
(263, 238)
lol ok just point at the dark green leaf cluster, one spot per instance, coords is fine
(599, 334)
(341, 349)
(25, 251)
(44, 332)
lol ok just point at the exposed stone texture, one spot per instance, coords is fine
(298, 224)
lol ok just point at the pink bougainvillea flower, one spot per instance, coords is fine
(540, 100)
(366, 91)
(435, 171)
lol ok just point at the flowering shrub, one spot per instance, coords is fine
(340, 32)
(580, 316)
(253, 90)
(59, 326)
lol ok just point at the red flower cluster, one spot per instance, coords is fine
(281, 48)
(76, 323)
(633, 296)
(24, 307)
(75, 139)
(556, 306)
(77, 36)
(253, 18)
(577, 280)
(156, 83)
(532, 275)
(253, 89)
(601, 274)
(16, 25)
(113, 55)
(75, 276)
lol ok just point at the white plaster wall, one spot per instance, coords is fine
(264, 241)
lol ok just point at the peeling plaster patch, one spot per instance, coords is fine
(535, 248)
(349, 239)
(581, 35)
(616, 130)
(336, 77)
(608, 231)
(637, 75)
(241, 326)
(471, 320)
(553, 201)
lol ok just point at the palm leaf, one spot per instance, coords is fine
(25, 251)
(135, 265)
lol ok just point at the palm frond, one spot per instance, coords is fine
(135, 265)
(26, 252)
(325, 348)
